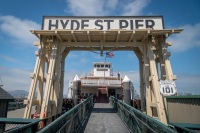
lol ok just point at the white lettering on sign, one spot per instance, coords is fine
(101, 23)
(167, 87)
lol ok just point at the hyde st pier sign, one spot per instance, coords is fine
(103, 23)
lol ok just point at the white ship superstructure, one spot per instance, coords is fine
(101, 83)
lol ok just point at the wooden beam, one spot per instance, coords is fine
(35, 102)
(104, 36)
(118, 34)
(74, 37)
(152, 104)
(88, 33)
(33, 32)
(58, 36)
(146, 35)
(107, 44)
(104, 49)
(155, 85)
(141, 48)
(36, 44)
(97, 32)
(131, 37)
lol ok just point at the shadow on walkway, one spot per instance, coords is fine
(103, 110)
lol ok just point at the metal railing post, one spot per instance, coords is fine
(72, 120)
(137, 121)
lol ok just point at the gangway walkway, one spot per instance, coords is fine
(87, 117)
(104, 119)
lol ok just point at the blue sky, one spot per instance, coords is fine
(17, 53)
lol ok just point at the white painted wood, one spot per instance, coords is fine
(155, 85)
(49, 81)
(56, 44)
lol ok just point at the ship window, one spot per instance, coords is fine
(102, 65)
(95, 65)
(102, 69)
(98, 66)
(106, 66)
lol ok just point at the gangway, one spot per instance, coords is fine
(76, 120)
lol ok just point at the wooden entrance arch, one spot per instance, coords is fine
(149, 44)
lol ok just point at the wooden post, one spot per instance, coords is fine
(49, 79)
(35, 77)
(56, 80)
(146, 74)
(142, 88)
(155, 83)
(40, 86)
(64, 54)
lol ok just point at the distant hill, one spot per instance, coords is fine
(18, 93)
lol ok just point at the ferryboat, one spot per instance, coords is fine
(102, 83)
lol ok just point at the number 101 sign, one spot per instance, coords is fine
(167, 87)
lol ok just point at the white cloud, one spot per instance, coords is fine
(187, 39)
(77, 57)
(133, 76)
(15, 79)
(188, 83)
(18, 79)
(18, 28)
(105, 7)
(112, 4)
(135, 7)
(85, 7)
(8, 58)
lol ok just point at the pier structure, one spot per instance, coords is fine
(144, 35)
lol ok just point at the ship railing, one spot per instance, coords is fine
(101, 82)
(137, 121)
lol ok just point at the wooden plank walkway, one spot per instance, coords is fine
(104, 119)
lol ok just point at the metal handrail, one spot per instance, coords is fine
(30, 128)
(72, 119)
(137, 121)
(74, 115)
(13, 125)
(136, 118)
